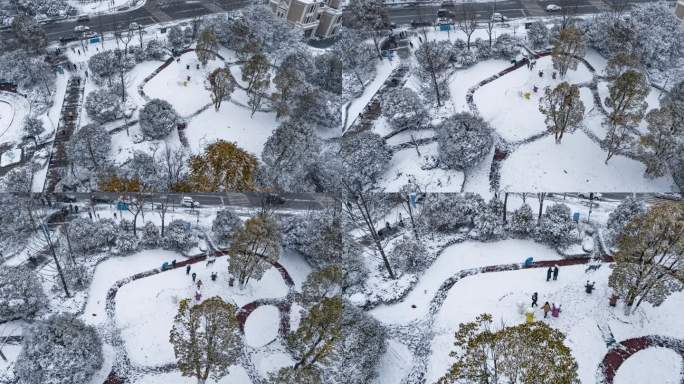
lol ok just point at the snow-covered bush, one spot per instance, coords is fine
(225, 222)
(157, 119)
(651, 32)
(102, 105)
(150, 235)
(319, 236)
(49, 8)
(60, 350)
(33, 127)
(464, 140)
(127, 243)
(365, 157)
(155, 50)
(88, 237)
(625, 212)
(290, 156)
(21, 294)
(489, 220)
(556, 228)
(484, 50)
(449, 212)
(466, 58)
(175, 38)
(361, 346)
(77, 277)
(505, 46)
(538, 35)
(522, 220)
(403, 109)
(409, 255)
(89, 147)
(178, 236)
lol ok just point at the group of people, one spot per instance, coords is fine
(555, 310)
(198, 293)
(552, 272)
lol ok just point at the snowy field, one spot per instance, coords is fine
(105, 6)
(498, 293)
(510, 105)
(13, 110)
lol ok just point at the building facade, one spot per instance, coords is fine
(679, 9)
(316, 18)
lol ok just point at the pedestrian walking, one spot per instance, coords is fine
(198, 296)
(553, 75)
(187, 66)
(194, 276)
(549, 272)
(555, 273)
(90, 215)
(534, 299)
(214, 275)
(411, 44)
(197, 66)
(173, 263)
(79, 52)
(187, 269)
(546, 308)
(541, 73)
(555, 311)
(199, 284)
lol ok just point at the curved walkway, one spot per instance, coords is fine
(626, 348)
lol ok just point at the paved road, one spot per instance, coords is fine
(509, 8)
(300, 201)
(154, 11)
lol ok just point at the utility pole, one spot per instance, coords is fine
(54, 256)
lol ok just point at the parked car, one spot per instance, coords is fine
(496, 16)
(83, 19)
(273, 199)
(81, 28)
(553, 8)
(587, 195)
(133, 25)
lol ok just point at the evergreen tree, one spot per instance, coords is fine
(369, 16)
(525, 353)
(317, 334)
(252, 247)
(206, 46)
(649, 263)
(224, 224)
(103, 106)
(556, 227)
(89, 147)
(409, 255)
(569, 46)
(464, 140)
(178, 236)
(290, 155)
(222, 85)
(538, 34)
(158, 118)
(626, 101)
(433, 61)
(323, 284)
(59, 350)
(223, 166)
(256, 73)
(660, 146)
(21, 294)
(489, 221)
(563, 109)
(206, 338)
(404, 109)
(522, 220)
(626, 211)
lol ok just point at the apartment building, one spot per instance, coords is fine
(317, 18)
(679, 9)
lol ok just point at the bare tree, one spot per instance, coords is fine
(467, 22)
(362, 210)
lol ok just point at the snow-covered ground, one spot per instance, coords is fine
(236, 375)
(452, 260)
(653, 365)
(261, 326)
(105, 6)
(510, 105)
(499, 293)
